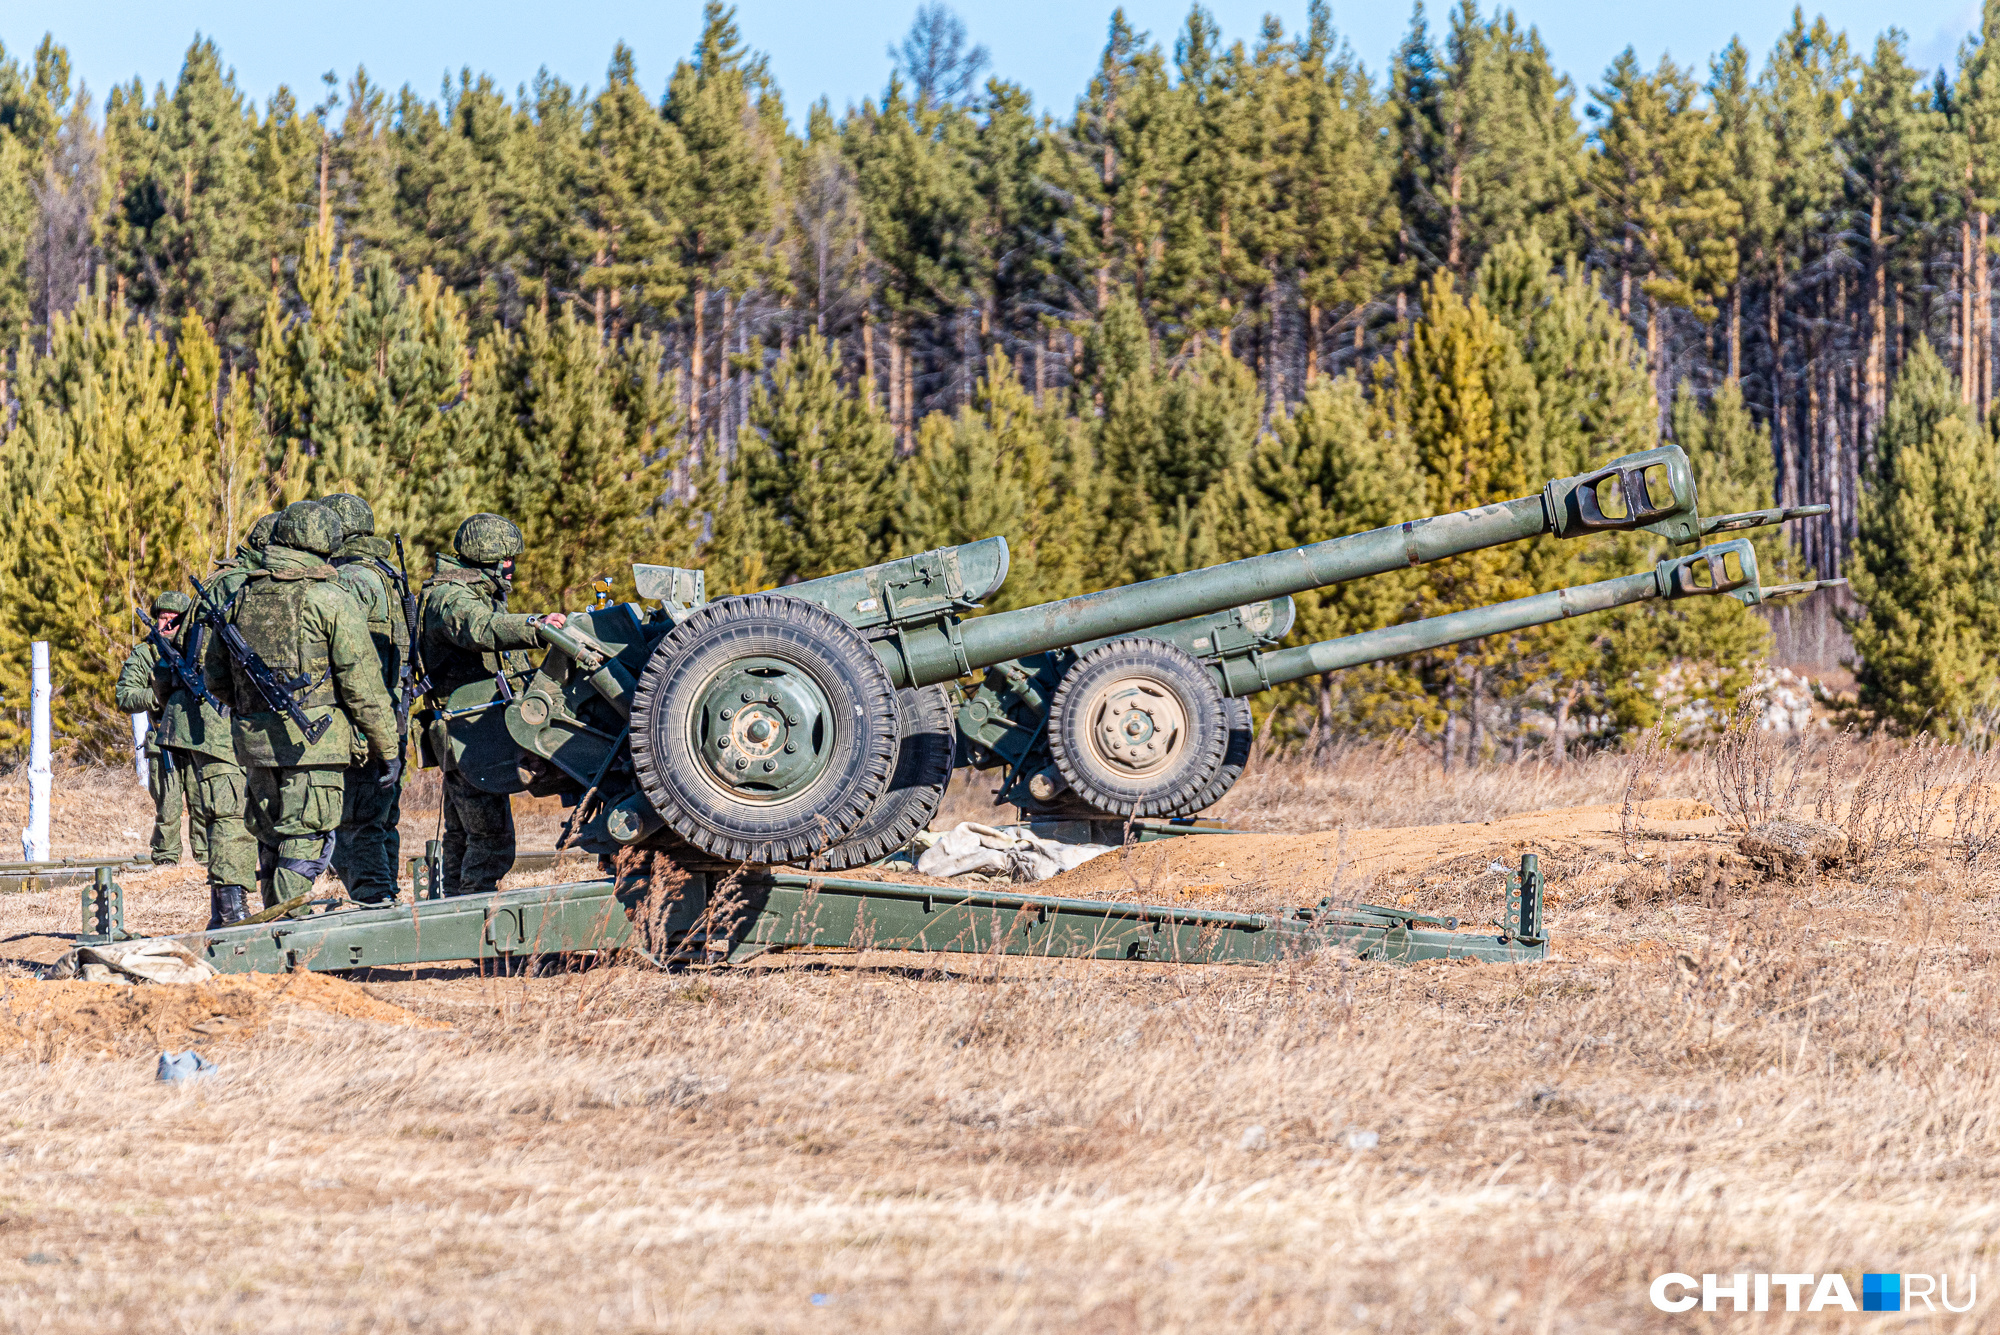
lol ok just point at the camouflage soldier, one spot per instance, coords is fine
(249, 556)
(367, 846)
(466, 633)
(145, 687)
(294, 613)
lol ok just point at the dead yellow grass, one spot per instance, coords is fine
(1718, 1073)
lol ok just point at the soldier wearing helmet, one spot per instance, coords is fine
(368, 843)
(295, 615)
(466, 634)
(146, 687)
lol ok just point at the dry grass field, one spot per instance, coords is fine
(1737, 1062)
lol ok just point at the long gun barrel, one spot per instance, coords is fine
(1652, 490)
(1728, 568)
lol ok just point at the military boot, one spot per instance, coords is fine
(226, 906)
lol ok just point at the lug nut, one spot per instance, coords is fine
(747, 697)
(741, 763)
(790, 747)
(770, 765)
(722, 744)
(728, 713)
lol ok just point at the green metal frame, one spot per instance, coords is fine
(718, 918)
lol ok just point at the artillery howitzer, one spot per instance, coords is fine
(1117, 713)
(807, 725)
(816, 726)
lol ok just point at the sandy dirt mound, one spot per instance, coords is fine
(43, 1014)
(1269, 870)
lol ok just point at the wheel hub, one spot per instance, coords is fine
(762, 730)
(1136, 724)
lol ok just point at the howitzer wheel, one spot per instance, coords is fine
(924, 760)
(1137, 728)
(1235, 755)
(763, 729)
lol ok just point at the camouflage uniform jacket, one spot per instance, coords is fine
(138, 690)
(467, 629)
(294, 612)
(363, 563)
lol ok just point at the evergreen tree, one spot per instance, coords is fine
(1488, 138)
(1000, 467)
(183, 224)
(105, 492)
(1924, 565)
(583, 454)
(816, 466)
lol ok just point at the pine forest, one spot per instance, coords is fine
(1245, 293)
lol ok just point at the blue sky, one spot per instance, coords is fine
(836, 49)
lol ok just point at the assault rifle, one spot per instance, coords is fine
(411, 679)
(277, 693)
(188, 668)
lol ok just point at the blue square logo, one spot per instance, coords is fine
(1881, 1293)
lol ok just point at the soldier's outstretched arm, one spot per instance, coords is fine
(469, 622)
(138, 689)
(357, 673)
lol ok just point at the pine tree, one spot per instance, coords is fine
(1464, 399)
(815, 464)
(633, 184)
(1328, 468)
(358, 390)
(1924, 565)
(583, 456)
(183, 225)
(727, 179)
(107, 489)
(1488, 138)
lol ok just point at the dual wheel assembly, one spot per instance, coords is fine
(1138, 728)
(765, 730)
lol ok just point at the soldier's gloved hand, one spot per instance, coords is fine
(392, 770)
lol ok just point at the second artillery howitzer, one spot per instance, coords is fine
(1125, 729)
(815, 723)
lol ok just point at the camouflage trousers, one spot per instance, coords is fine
(293, 813)
(369, 843)
(478, 838)
(167, 780)
(215, 790)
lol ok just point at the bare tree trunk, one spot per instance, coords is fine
(1965, 335)
(1475, 728)
(1878, 334)
(1787, 480)
(1736, 332)
(1312, 344)
(1563, 705)
(723, 402)
(1984, 268)
(868, 357)
(695, 368)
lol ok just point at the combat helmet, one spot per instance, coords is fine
(308, 526)
(486, 540)
(356, 519)
(170, 601)
(259, 536)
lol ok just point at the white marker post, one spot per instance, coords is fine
(35, 839)
(139, 729)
